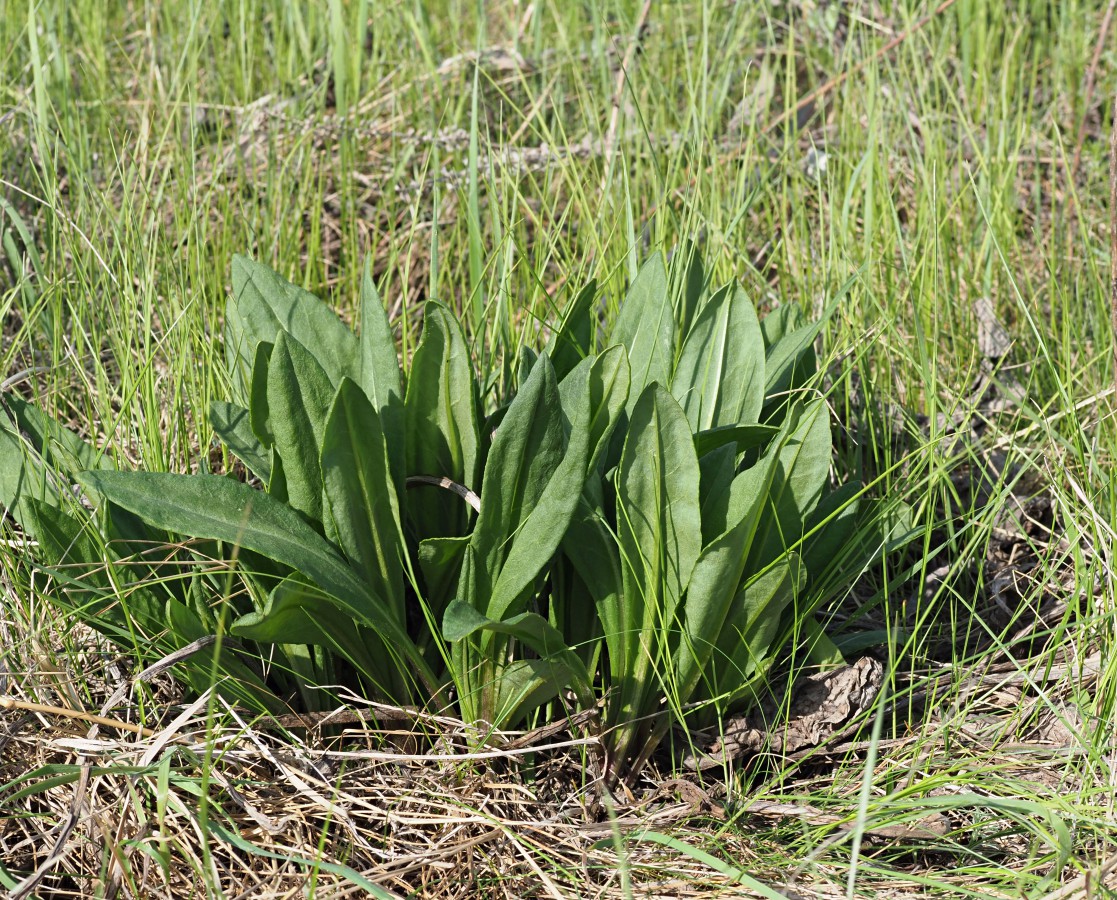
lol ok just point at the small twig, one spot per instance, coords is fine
(820, 91)
(1081, 886)
(1113, 236)
(837, 80)
(618, 92)
(1091, 74)
(9, 703)
(460, 489)
(12, 380)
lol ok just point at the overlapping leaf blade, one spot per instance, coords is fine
(297, 612)
(719, 380)
(711, 593)
(659, 536)
(267, 304)
(379, 372)
(591, 547)
(360, 495)
(211, 506)
(442, 434)
(531, 630)
(593, 412)
(572, 341)
(299, 398)
(23, 476)
(233, 425)
(59, 447)
(802, 461)
(527, 449)
(659, 521)
(645, 327)
(745, 650)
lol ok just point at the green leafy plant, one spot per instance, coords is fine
(650, 518)
(713, 537)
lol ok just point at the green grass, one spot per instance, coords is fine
(143, 144)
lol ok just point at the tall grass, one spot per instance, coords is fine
(143, 144)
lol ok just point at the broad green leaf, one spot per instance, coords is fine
(592, 549)
(59, 447)
(23, 477)
(240, 350)
(259, 415)
(591, 425)
(76, 563)
(833, 523)
(606, 378)
(710, 595)
(524, 685)
(299, 398)
(852, 539)
(215, 507)
(784, 319)
(592, 397)
(527, 449)
(69, 543)
(532, 483)
(658, 519)
(379, 372)
(440, 561)
(571, 611)
(718, 470)
(822, 653)
(789, 362)
(296, 612)
(219, 508)
(742, 437)
(360, 494)
(688, 283)
(269, 305)
(530, 629)
(719, 380)
(802, 462)
(441, 420)
(753, 482)
(523, 514)
(525, 363)
(645, 327)
(233, 425)
(73, 557)
(573, 340)
(277, 486)
(235, 681)
(659, 529)
(745, 649)
(63, 538)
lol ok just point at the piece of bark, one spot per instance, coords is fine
(822, 706)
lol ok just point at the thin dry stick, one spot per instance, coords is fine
(618, 92)
(837, 80)
(1113, 236)
(9, 703)
(1091, 74)
(1072, 172)
(824, 89)
(460, 489)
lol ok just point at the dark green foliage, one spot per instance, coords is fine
(654, 520)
